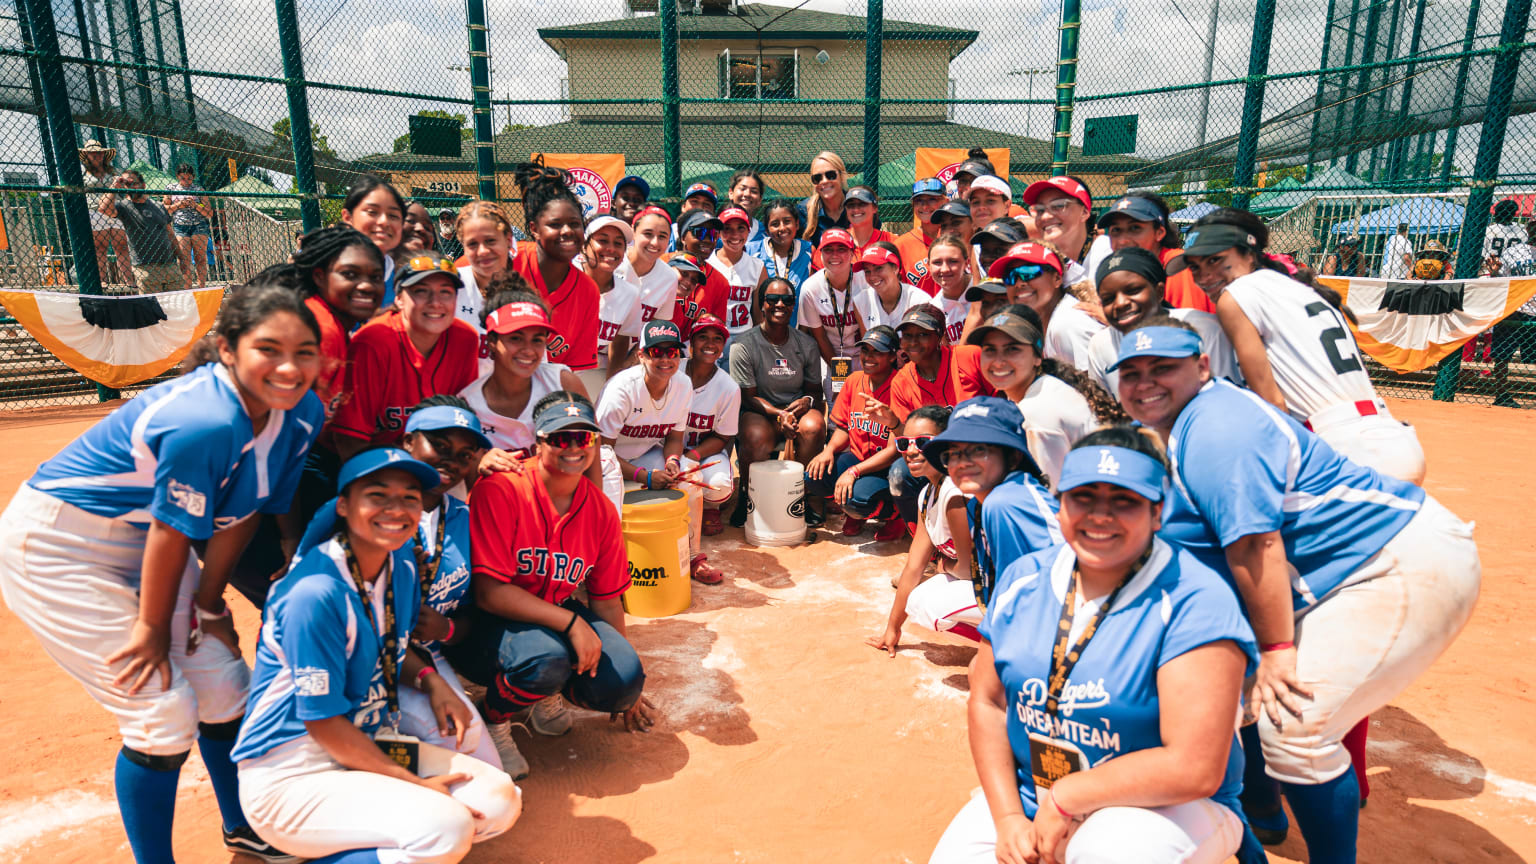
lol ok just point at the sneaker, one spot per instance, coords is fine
(852, 527)
(245, 841)
(549, 716)
(892, 530)
(814, 518)
(512, 760)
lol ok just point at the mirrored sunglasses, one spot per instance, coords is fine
(567, 439)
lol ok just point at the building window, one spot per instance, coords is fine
(769, 75)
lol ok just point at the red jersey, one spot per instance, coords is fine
(879, 235)
(517, 537)
(573, 311)
(712, 297)
(909, 391)
(331, 385)
(865, 436)
(1180, 290)
(389, 376)
(969, 380)
(914, 256)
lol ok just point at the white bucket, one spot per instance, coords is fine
(776, 504)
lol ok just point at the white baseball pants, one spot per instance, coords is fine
(416, 718)
(1378, 442)
(941, 602)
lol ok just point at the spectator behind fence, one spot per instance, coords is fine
(190, 216)
(1397, 260)
(150, 236)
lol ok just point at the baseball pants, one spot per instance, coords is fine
(73, 578)
(716, 474)
(1197, 832)
(416, 718)
(613, 478)
(943, 603)
(871, 492)
(1370, 638)
(304, 802)
(1378, 442)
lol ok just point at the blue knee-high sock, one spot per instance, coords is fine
(224, 776)
(147, 799)
(351, 856)
(1261, 792)
(1251, 851)
(1329, 817)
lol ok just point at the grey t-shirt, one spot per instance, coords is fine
(145, 225)
(781, 373)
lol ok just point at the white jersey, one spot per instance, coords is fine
(933, 508)
(873, 314)
(618, 314)
(636, 422)
(1098, 250)
(1055, 416)
(513, 434)
(822, 308)
(1392, 266)
(1104, 349)
(1501, 237)
(1313, 356)
(743, 277)
(1069, 331)
(716, 407)
(658, 288)
(954, 315)
(471, 303)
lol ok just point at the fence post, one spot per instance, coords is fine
(186, 61)
(1469, 251)
(1456, 99)
(1066, 85)
(874, 41)
(1367, 77)
(480, 83)
(1398, 156)
(1317, 100)
(671, 104)
(1253, 102)
(37, 87)
(298, 113)
(37, 17)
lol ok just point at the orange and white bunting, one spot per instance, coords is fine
(1408, 326)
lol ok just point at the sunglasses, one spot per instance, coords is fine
(569, 439)
(827, 175)
(778, 300)
(425, 262)
(1023, 273)
(706, 235)
(906, 442)
(965, 453)
(667, 352)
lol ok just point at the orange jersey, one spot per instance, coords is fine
(909, 391)
(517, 537)
(967, 371)
(1180, 291)
(389, 376)
(573, 311)
(914, 255)
(865, 436)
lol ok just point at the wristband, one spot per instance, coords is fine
(421, 677)
(205, 615)
(1276, 646)
(449, 637)
(638, 469)
(647, 481)
(855, 472)
(694, 455)
(568, 625)
(1057, 804)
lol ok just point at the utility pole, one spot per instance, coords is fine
(1210, 64)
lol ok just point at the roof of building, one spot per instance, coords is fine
(770, 147)
(752, 20)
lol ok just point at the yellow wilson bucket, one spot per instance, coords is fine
(656, 537)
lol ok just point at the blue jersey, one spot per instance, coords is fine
(317, 655)
(184, 452)
(1019, 518)
(1109, 705)
(1241, 467)
(389, 283)
(796, 270)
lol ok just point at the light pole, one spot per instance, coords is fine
(1029, 110)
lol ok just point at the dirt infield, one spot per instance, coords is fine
(785, 739)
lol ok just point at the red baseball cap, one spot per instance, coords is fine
(517, 316)
(735, 214)
(874, 256)
(1025, 253)
(654, 210)
(1063, 184)
(706, 321)
(836, 237)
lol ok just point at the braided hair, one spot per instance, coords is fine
(542, 185)
(320, 247)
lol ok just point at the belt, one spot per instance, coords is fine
(1359, 408)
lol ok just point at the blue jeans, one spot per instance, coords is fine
(871, 493)
(520, 663)
(904, 489)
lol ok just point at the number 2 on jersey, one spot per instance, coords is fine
(1343, 357)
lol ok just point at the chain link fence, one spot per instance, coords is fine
(1329, 118)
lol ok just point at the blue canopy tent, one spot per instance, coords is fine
(1422, 215)
(1193, 212)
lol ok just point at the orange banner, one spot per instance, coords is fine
(593, 177)
(941, 162)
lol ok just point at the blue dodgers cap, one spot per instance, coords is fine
(1135, 208)
(982, 420)
(1120, 466)
(1157, 342)
(439, 417)
(928, 186)
(564, 415)
(378, 459)
(637, 182)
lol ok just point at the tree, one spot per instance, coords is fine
(1170, 193)
(1427, 165)
(284, 129)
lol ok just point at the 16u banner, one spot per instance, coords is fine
(593, 176)
(941, 162)
(1408, 326)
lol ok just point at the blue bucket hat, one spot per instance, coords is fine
(983, 420)
(378, 459)
(1119, 466)
(440, 417)
(1157, 342)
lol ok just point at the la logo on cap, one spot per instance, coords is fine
(1107, 464)
(1143, 341)
(394, 455)
(973, 411)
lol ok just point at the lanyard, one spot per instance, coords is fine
(1063, 657)
(429, 564)
(388, 655)
(838, 315)
(982, 575)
